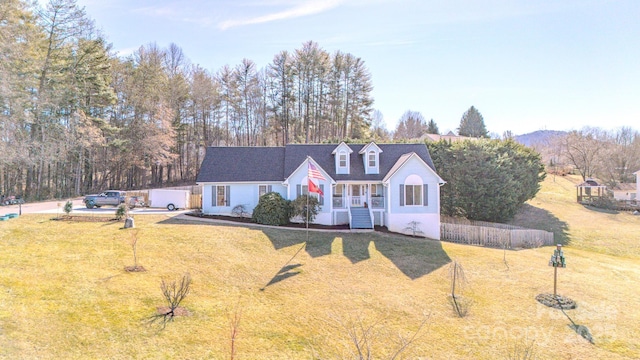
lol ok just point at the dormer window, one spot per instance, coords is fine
(372, 159)
(342, 159)
(342, 155)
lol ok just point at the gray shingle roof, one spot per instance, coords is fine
(230, 164)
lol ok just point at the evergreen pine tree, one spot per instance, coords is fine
(472, 124)
(432, 127)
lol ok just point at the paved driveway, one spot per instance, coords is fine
(55, 207)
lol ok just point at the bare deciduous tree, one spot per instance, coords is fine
(88, 119)
(411, 125)
(133, 241)
(364, 340)
(581, 149)
(619, 157)
(174, 293)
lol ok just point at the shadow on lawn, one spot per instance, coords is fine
(414, 257)
(536, 218)
(601, 210)
(285, 272)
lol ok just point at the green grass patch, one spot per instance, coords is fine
(65, 293)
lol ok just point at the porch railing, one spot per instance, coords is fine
(344, 202)
(377, 202)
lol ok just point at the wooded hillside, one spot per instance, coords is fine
(77, 118)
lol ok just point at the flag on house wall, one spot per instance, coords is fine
(314, 173)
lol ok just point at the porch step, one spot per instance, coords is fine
(360, 218)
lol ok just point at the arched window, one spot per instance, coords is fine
(303, 189)
(413, 188)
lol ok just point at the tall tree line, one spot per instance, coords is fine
(76, 118)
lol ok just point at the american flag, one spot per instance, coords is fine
(314, 173)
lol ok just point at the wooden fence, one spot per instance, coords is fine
(463, 221)
(493, 235)
(196, 201)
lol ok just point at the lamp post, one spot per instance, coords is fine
(557, 260)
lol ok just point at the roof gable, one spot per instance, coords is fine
(342, 146)
(402, 160)
(305, 164)
(370, 146)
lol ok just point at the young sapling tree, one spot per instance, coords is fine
(174, 293)
(68, 207)
(134, 246)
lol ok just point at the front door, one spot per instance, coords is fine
(358, 195)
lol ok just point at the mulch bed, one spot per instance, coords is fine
(81, 218)
(138, 268)
(247, 220)
(557, 302)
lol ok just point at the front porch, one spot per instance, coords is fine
(358, 195)
(361, 205)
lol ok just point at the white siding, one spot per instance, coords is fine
(427, 224)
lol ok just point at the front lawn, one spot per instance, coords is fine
(64, 292)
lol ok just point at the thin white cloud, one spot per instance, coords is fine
(306, 8)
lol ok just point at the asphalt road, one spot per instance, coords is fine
(53, 207)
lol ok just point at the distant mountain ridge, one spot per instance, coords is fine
(538, 137)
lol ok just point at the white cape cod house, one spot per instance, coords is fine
(392, 185)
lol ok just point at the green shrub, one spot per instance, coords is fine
(121, 211)
(299, 207)
(68, 207)
(272, 209)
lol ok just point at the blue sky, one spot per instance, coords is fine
(525, 65)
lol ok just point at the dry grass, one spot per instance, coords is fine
(602, 231)
(64, 292)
